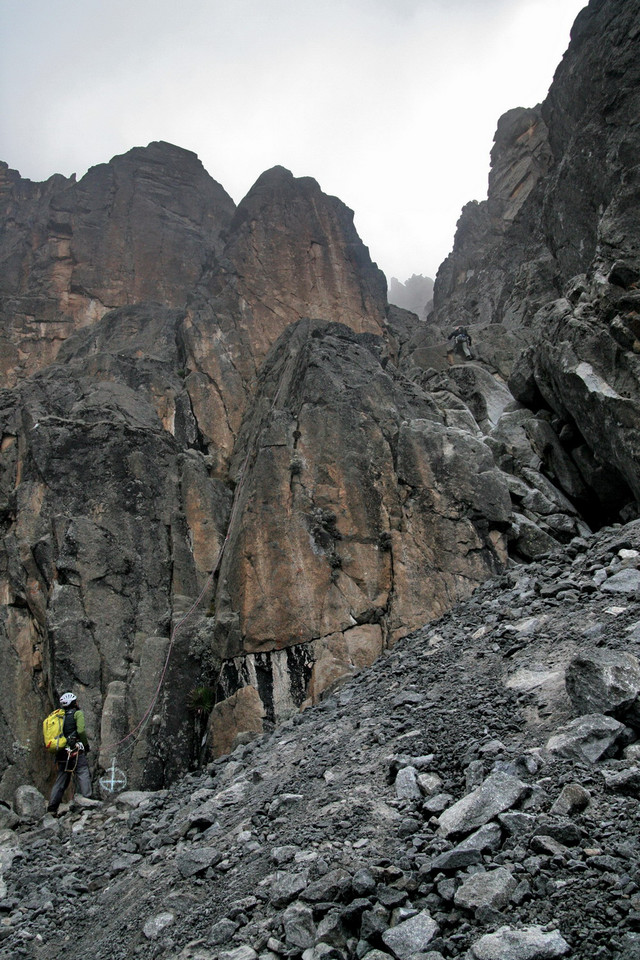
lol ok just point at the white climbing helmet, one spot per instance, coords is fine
(67, 699)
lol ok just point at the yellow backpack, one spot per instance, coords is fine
(54, 738)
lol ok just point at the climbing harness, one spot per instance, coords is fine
(72, 758)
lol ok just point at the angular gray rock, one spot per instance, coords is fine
(625, 781)
(470, 850)
(245, 952)
(195, 861)
(626, 583)
(285, 887)
(573, 798)
(29, 803)
(498, 793)
(155, 925)
(530, 943)
(407, 786)
(412, 936)
(299, 927)
(492, 888)
(592, 738)
(605, 681)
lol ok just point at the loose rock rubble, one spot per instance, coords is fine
(423, 810)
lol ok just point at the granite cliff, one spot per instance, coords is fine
(552, 258)
(235, 482)
(213, 403)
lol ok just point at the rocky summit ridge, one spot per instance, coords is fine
(236, 484)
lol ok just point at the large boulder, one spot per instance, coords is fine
(357, 518)
(605, 681)
(528, 943)
(589, 738)
(499, 792)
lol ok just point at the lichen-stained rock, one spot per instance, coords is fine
(553, 255)
(296, 253)
(142, 227)
(106, 524)
(241, 713)
(356, 506)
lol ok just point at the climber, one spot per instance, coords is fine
(461, 342)
(72, 758)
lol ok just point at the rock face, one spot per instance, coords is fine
(233, 476)
(351, 494)
(415, 294)
(160, 433)
(143, 227)
(553, 254)
(116, 491)
(305, 843)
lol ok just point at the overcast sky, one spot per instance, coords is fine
(390, 104)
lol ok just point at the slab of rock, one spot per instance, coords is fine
(412, 936)
(8, 818)
(604, 681)
(285, 887)
(29, 803)
(282, 803)
(299, 928)
(222, 931)
(333, 886)
(625, 582)
(155, 925)
(470, 850)
(626, 782)
(332, 930)
(530, 943)
(133, 798)
(9, 849)
(590, 738)
(517, 824)
(407, 786)
(240, 713)
(363, 882)
(197, 860)
(491, 889)
(245, 952)
(429, 783)
(498, 793)
(573, 799)
(204, 815)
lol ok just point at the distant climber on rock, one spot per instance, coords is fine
(64, 734)
(461, 343)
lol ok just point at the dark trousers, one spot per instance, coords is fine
(65, 772)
